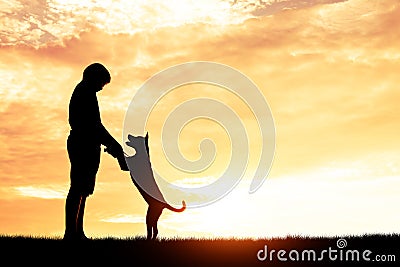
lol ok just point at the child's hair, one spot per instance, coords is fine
(96, 72)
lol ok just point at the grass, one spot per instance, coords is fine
(136, 251)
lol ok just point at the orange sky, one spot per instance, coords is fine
(328, 69)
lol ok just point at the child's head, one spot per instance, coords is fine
(97, 74)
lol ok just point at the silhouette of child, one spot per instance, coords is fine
(84, 146)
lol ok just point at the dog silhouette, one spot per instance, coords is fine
(142, 171)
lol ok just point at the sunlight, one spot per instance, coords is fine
(323, 201)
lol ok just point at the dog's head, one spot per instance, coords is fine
(137, 141)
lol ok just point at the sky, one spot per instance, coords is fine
(328, 69)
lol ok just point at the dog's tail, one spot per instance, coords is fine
(177, 209)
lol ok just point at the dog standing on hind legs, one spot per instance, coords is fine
(143, 172)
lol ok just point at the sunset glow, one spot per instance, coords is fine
(328, 69)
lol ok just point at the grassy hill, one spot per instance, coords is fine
(380, 250)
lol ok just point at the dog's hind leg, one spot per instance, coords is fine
(157, 214)
(155, 231)
(149, 224)
(152, 216)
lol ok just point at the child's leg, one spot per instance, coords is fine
(71, 213)
(79, 221)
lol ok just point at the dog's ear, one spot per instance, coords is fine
(147, 135)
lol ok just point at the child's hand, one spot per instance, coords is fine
(115, 150)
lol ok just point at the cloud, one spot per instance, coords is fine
(270, 7)
(295, 57)
(125, 218)
(46, 192)
(8, 6)
(38, 23)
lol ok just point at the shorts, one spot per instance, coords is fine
(85, 161)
